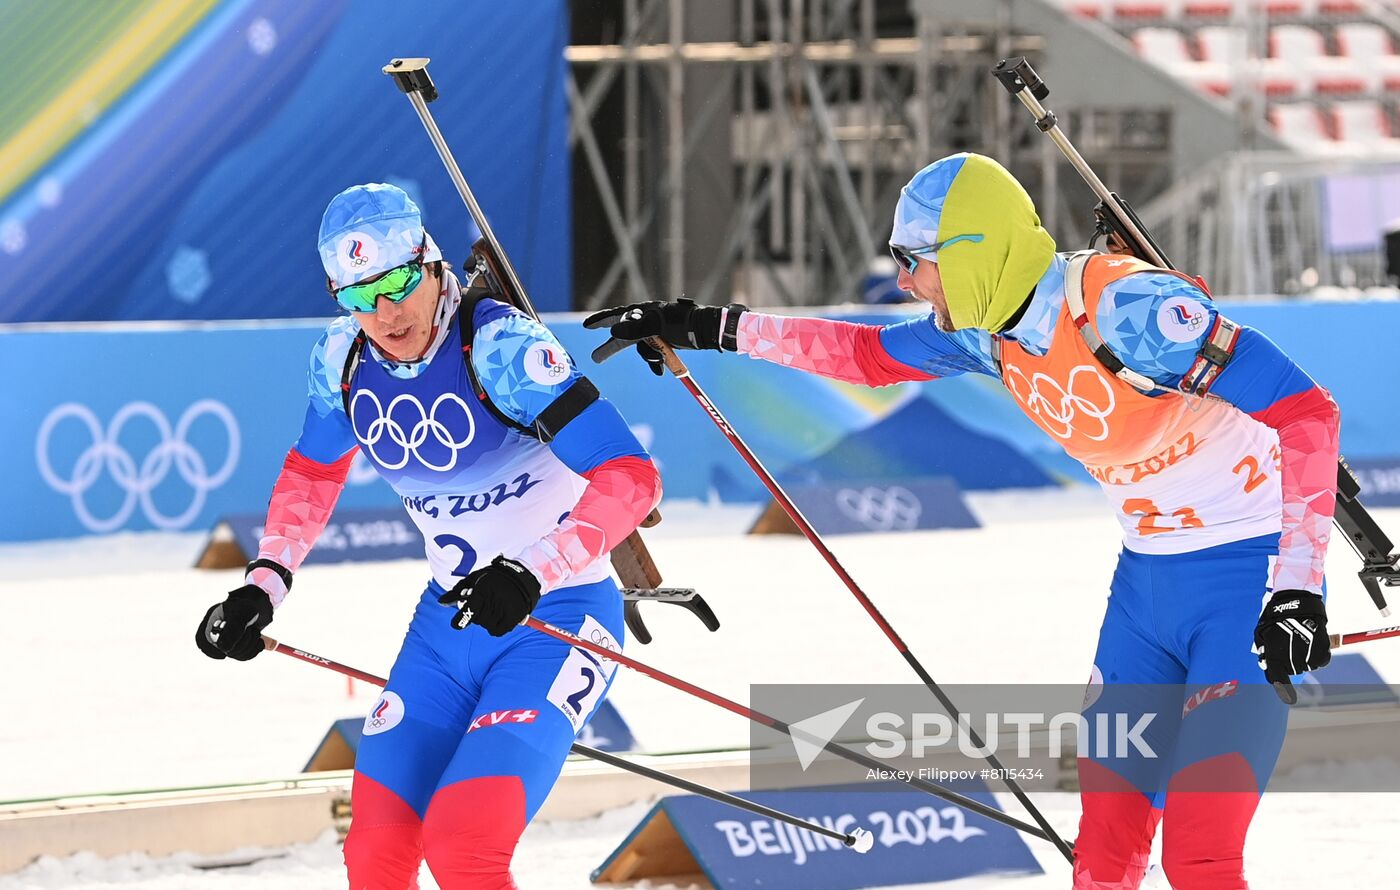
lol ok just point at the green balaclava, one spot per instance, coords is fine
(986, 278)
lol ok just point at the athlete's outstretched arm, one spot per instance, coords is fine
(1157, 323)
(841, 350)
(871, 355)
(529, 376)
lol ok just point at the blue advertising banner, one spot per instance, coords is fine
(918, 840)
(165, 427)
(607, 731)
(350, 536)
(863, 507)
(1349, 679)
(1380, 480)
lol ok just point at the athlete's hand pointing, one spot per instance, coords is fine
(681, 324)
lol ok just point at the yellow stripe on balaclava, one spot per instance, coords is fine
(987, 281)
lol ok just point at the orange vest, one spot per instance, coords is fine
(1099, 418)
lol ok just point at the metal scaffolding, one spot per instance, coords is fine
(754, 149)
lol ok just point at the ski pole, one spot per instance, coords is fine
(859, 839)
(1363, 636)
(682, 373)
(779, 726)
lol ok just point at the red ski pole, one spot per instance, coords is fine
(682, 373)
(859, 839)
(1363, 636)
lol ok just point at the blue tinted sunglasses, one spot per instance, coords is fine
(908, 258)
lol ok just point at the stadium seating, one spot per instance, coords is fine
(1303, 49)
(1364, 122)
(1303, 126)
(1329, 70)
(1167, 47)
(1371, 48)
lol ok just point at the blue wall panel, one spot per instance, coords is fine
(198, 195)
(77, 470)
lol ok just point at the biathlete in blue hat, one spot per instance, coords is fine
(521, 479)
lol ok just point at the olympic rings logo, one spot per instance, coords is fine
(1059, 410)
(137, 482)
(383, 425)
(881, 509)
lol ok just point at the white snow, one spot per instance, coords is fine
(106, 690)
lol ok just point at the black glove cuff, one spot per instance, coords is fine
(729, 326)
(715, 327)
(278, 569)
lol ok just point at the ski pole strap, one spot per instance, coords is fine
(1074, 296)
(729, 326)
(276, 568)
(1212, 358)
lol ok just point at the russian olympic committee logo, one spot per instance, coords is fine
(881, 509)
(105, 454)
(385, 715)
(1181, 319)
(1061, 409)
(427, 423)
(357, 251)
(546, 364)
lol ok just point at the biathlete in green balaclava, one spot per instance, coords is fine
(968, 215)
(1225, 504)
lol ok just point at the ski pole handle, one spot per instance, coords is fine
(668, 355)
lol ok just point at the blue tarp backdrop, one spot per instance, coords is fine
(134, 427)
(197, 194)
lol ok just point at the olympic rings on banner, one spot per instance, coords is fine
(881, 509)
(106, 454)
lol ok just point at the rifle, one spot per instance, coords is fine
(1116, 221)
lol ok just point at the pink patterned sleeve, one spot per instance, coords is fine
(301, 505)
(1308, 425)
(620, 494)
(837, 349)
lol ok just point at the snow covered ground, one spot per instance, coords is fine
(106, 690)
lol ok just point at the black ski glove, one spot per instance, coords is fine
(233, 628)
(682, 324)
(1291, 638)
(497, 596)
